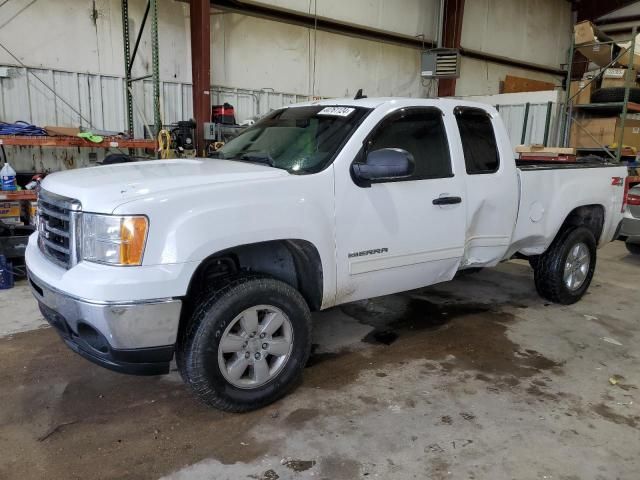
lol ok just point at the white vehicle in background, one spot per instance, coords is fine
(221, 261)
(630, 231)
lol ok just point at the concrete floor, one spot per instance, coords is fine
(478, 378)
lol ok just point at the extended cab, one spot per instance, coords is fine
(220, 261)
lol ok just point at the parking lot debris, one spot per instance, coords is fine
(612, 341)
(615, 379)
(297, 465)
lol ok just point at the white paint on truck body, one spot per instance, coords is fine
(202, 206)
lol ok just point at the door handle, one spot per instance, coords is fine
(447, 200)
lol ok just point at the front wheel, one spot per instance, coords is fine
(246, 344)
(564, 272)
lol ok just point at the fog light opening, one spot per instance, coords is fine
(93, 338)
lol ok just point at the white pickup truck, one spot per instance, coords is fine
(221, 260)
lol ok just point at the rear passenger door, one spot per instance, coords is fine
(398, 235)
(491, 187)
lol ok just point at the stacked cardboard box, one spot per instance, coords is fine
(601, 49)
(10, 212)
(580, 91)
(597, 132)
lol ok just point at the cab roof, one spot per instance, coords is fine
(397, 102)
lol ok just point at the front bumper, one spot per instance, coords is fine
(94, 329)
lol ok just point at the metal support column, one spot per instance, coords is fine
(524, 123)
(127, 62)
(627, 87)
(200, 67)
(547, 124)
(155, 60)
(452, 35)
(567, 97)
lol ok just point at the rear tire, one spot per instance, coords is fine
(564, 272)
(634, 248)
(229, 327)
(614, 94)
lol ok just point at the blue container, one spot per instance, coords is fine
(6, 274)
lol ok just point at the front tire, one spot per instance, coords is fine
(563, 273)
(246, 344)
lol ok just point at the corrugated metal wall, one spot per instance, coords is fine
(513, 118)
(512, 107)
(98, 102)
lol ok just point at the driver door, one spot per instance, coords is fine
(399, 234)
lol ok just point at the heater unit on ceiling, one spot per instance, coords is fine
(441, 63)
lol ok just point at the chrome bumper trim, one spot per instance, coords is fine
(126, 325)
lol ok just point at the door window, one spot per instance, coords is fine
(420, 132)
(478, 141)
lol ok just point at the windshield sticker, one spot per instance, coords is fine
(337, 111)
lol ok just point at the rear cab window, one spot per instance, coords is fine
(478, 138)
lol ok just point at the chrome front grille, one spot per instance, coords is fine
(57, 220)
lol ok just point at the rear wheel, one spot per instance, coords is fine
(564, 272)
(246, 344)
(634, 248)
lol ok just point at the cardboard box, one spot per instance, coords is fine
(625, 58)
(55, 131)
(584, 32)
(600, 53)
(580, 91)
(617, 77)
(605, 131)
(10, 212)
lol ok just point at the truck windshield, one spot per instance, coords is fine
(301, 140)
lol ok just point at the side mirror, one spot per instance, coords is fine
(384, 164)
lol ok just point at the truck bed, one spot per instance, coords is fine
(549, 193)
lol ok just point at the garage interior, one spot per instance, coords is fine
(473, 378)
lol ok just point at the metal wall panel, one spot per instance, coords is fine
(513, 118)
(98, 102)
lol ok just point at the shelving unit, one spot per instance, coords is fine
(623, 108)
(108, 142)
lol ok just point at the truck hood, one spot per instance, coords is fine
(102, 189)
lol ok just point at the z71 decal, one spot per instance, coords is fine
(364, 253)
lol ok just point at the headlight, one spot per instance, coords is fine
(113, 239)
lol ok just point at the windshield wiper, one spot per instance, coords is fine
(258, 157)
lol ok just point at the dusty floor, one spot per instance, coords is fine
(478, 378)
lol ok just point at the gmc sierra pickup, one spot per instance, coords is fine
(220, 261)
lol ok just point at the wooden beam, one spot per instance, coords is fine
(451, 38)
(513, 84)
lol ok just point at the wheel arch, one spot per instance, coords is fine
(590, 216)
(293, 261)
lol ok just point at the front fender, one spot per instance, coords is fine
(189, 226)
